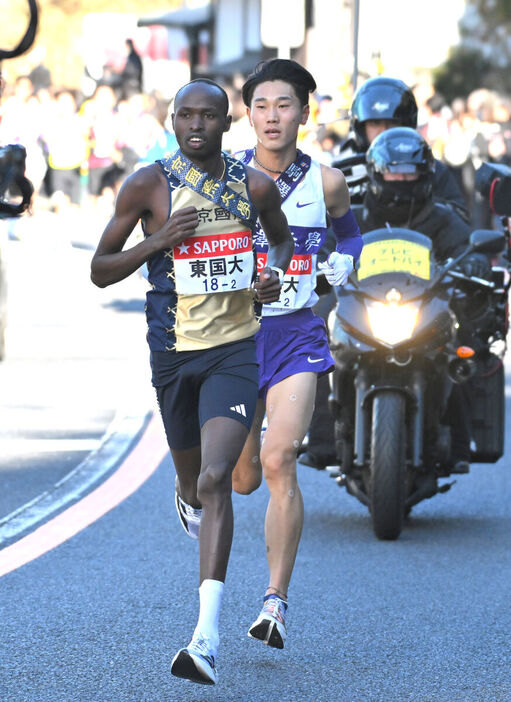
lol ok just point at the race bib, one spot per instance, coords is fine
(214, 264)
(296, 286)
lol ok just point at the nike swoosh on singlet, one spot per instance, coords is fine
(314, 360)
(304, 204)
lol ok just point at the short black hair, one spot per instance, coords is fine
(280, 69)
(208, 82)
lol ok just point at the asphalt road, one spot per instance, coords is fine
(76, 359)
(97, 619)
(426, 618)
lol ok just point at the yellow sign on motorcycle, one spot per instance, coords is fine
(394, 256)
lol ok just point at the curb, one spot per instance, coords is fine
(119, 439)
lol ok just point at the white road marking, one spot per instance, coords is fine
(114, 445)
(133, 471)
(24, 446)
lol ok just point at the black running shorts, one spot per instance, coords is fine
(194, 386)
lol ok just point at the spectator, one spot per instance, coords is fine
(20, 123)
(131, 76)
(65, 141)
(164, 141)
(103, 129)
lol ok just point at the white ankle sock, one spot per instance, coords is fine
(210, 595)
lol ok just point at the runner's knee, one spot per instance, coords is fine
(214, 480)
(248, 480)
(279, 464)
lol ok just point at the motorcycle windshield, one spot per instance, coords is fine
(395, 251)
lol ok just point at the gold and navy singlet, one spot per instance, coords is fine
(202, 293)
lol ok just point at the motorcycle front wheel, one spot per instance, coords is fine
(388, 464)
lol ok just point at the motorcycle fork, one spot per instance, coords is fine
(417, 438)
(360, 436)
(414, 394)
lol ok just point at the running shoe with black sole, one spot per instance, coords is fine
(195, 663)
(270, 627)
(190, 517)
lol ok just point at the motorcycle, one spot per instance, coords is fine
(395, 340)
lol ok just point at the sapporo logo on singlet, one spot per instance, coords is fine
(296, 276)
(213, 264)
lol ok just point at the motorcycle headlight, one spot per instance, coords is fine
(390, 321)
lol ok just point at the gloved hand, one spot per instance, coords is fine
(337, 268)
(476, 265)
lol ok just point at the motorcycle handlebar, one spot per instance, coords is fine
(349, 161)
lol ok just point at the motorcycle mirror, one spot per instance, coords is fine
(487, 241)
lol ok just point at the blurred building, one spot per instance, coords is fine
(397, 37)
(219, 38)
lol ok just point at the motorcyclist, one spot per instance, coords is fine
(401, 171)
(401, 168)
(380, 103)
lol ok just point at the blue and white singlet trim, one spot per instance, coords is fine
(306, 214)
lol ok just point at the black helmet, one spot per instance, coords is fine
(399, 150)
(382, 98)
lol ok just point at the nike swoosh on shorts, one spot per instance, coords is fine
(314, 360)
(304, 204)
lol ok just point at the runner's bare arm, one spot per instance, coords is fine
(281, 245)
(138, 198)
(343, 222)
(335, 190)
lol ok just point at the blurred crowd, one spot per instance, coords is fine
(462, 134)
(466, 133)
(80, 149)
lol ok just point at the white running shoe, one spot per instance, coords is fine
(189, 516)
(270, 625)
(195, 663)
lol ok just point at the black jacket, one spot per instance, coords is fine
(447, 231)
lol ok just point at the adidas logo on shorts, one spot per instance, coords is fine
(239, 409)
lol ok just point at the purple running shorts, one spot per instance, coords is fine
(288, 344)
